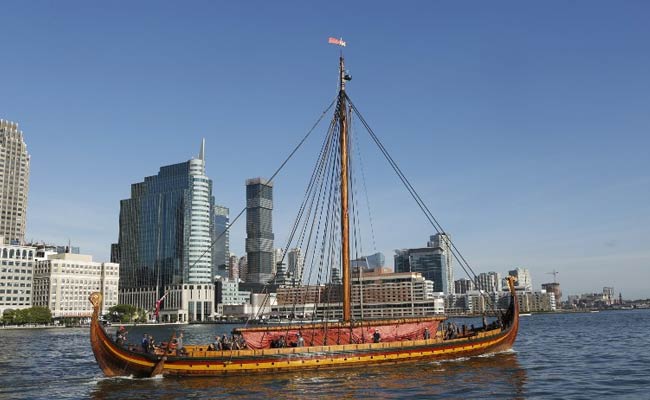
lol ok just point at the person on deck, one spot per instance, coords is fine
(152, 345)
(145, 343)
(217, 343)
(235, 342)
(120, 336)
(301, 341)
(376, 337)
(427, 334)
(179, 344)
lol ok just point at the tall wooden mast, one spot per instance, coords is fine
(345, 223)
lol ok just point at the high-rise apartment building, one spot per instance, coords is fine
(463, 285)
(259, 230)
(296, 264)
(278, 256)
(14, 183)
(166, 232)
(243, 268)
(280, 272)
(489, 281)
(233, 268)
(221, 248)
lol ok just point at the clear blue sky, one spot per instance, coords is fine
(525, 126)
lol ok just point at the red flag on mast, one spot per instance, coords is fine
(158, 304)
(339, 42)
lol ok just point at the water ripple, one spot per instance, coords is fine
(567, 356)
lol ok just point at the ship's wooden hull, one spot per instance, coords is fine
(115, 360)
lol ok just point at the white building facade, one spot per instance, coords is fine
(523, 281)
(200, 232)
(63, 283)
(16, 271)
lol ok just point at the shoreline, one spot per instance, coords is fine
(19, 327)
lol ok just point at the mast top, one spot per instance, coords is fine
(343, 74)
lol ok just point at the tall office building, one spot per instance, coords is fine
(441, 241)
(14, 183)
(433, 262)
(259, 230)
(166, 230)
(221, 248)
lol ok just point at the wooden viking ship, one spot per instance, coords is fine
(324, 344)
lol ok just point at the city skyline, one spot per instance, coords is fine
(528, 144)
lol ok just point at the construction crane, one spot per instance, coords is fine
(554, 273)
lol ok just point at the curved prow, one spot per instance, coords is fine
(98, 337)
(114, 360)
(511, 318)
(97, 334)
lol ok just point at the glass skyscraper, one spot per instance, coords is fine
(166, 228)
(434, 262)
(221, 248)
(259, 230)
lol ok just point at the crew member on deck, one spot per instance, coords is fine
(145, 343)
(120, 336)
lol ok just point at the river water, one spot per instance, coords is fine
(559, 356)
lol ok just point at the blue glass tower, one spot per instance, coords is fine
(433, 262)
(221, 248)
(166, 228)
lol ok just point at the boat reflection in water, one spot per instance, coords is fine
(496, 375)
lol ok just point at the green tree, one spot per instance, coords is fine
(123, 312)
(142, 315)
(33, 315)
(38, 315)
(8, 316)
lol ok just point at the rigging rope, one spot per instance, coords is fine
(277, 171)
(428, 214)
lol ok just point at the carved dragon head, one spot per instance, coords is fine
(95, 299)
